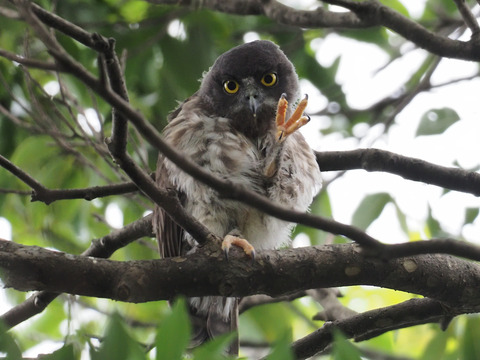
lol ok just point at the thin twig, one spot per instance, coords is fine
(29, 62)
(468, 17)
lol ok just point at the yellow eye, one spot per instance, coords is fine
(269, 79)
(231, 86)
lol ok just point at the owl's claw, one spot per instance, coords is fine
(296, 121)
(230, 240)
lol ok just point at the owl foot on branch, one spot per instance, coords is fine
(296, 121)
(230, 240)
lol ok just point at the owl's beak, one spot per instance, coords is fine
(253, 103)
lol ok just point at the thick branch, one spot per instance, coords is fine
(445, 278)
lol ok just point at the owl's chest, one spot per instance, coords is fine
(232, 155)
(215, 145)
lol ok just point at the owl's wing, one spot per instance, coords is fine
(169, 235)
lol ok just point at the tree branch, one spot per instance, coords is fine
(29, 62)
(47, 196)
(406, 167)
(206, 273)
(468, 17)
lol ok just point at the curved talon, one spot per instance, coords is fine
(295, 122)
(230, 240)
(281, 110)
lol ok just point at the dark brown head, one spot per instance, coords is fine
(245, 83)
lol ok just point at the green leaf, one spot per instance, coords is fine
(370, 209)
(396, 5)
(282, 350)
(343, 349)
(433, 226)
(471, 214)
(320, 206)
(435, 349)
(436, 121)
(65, 353)
(8, 345)
(173, 333)
(214, 349)
(134, 11)
(470, 346)
(117, 343)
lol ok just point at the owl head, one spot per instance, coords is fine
(245, 83)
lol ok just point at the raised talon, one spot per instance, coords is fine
(281, 110)
(296, 121)
(230, 240)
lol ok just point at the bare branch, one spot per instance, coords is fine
(468, 17)
(249, 302)
(406, 167)
(333, 309)
(29, 62)
(41, 193)
(207, 272)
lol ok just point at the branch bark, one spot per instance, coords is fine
(450, 280)
(406, 167)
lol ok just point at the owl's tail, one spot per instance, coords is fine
(208, 322)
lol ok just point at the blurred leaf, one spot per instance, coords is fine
(65, 353)
(436, 347)
(370, 209)
(397, 6)
(402, 219)
(134, 11)
(173, 333)
(436, 121)
(272, 320)
(433, 228)
(213, 349)
(471, 214)
(117, 343)
(343, 349)
(320, 206)
(8, 345)
(470, 346)
(281, 349)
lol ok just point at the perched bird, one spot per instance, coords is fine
(239, 126)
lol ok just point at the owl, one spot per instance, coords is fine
(238, 126)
